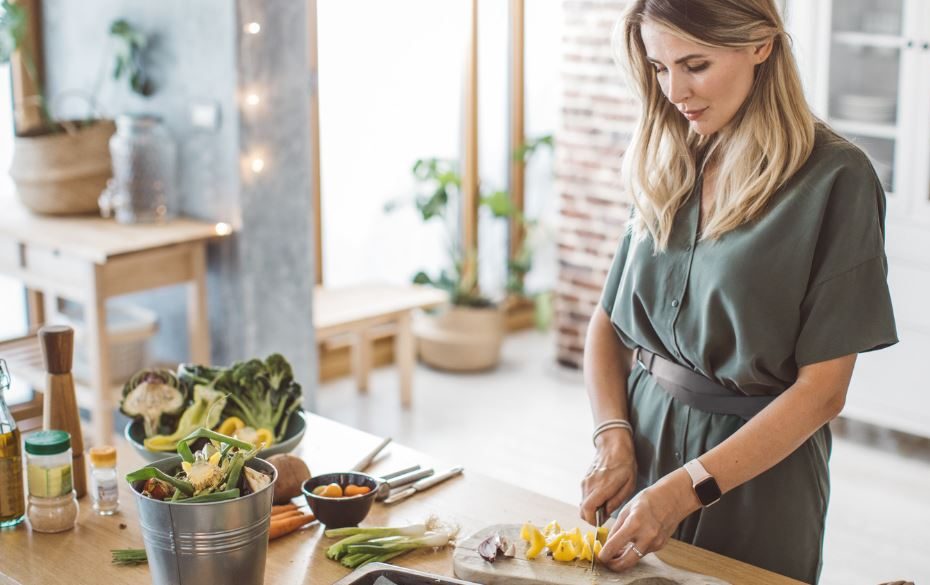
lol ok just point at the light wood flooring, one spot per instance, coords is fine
(528, 423)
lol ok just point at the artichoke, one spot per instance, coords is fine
(150, 394)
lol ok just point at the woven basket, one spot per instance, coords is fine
(63, 173)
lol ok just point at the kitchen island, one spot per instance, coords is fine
(473, 501)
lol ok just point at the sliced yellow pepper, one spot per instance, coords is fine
(526, 531)
(602, 533)
(552, 528)
(537, 543)
(264, 436)
(565, 552)
(586, 553)
(597, 547)
(575, 537)
(589, 537)
(230, 426)
(554, 542)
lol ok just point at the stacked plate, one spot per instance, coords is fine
(866, 108)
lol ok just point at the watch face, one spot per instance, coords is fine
(708, 491)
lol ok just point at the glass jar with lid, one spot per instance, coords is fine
(52, 504)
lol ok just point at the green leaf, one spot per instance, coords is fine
(499, 203)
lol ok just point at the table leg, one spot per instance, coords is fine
(35, 308)
(405, 356)
(361, 360)
(198, 323)
(98, 357)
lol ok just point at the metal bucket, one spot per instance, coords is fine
(218, 542)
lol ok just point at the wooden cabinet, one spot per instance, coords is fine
(866, 68)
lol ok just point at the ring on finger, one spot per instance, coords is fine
(632, 546)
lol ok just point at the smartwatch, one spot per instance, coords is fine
(704, 484)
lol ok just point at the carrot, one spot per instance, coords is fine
(283, 515)
(284, 508)
(356, 490)
(287, 525)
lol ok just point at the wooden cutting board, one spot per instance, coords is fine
(543, 570)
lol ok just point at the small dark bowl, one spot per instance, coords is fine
(340, 512)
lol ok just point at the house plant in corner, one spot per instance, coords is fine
(466, 334)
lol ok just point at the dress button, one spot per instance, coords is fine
(675, 303)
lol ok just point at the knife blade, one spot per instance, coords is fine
(599, 515)
(424, 484)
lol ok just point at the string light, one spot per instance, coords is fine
(257, 164)
(223, 229)
(252, 99)
(253, 28)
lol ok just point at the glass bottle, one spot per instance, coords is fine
(52, 505)
(12, 502)
(105, 484)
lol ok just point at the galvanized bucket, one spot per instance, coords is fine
(219, 542)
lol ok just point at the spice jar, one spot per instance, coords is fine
(52, 504)
(105, 486)
(12, 503)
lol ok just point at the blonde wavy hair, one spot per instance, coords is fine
(768, 140)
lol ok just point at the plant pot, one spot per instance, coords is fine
(460, 339)
(65, 172)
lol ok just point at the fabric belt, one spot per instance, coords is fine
(697, 391)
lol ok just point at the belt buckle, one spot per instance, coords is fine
(636, 355)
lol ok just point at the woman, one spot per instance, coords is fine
(752, 274)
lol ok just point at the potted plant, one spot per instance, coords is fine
(466, 334)
(61, 166)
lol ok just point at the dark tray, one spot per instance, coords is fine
(370, 573)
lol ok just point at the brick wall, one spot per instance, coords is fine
(597, 118)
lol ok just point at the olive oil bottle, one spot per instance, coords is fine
(12, 501)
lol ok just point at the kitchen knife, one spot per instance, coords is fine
(423, 484)
(599, 515)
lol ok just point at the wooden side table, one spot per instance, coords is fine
(89, 260)
(355, 311)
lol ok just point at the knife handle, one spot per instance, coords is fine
(431, 481)
(411, 477)
(366, 461)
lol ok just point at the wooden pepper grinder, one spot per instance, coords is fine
(59, 406)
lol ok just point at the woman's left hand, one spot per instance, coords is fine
(646, 523)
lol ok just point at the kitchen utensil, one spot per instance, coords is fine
(599, 516)
(372, 572)
(384, 490)
(423, 484)
(366, 461)
(59, 407)
(399, 473)
(544, 570)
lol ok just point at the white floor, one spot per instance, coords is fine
(528, 423)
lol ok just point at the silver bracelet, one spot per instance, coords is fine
(615, 423)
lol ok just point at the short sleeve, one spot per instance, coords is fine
(847, 305)
(612, 284)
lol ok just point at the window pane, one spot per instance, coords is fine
(12, 297)
(390, 93)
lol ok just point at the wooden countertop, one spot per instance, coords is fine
(95, 238)
(473, 501)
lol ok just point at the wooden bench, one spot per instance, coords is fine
(356, 311)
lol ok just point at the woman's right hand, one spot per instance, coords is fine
(611, 477)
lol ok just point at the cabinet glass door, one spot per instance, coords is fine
(865, 73)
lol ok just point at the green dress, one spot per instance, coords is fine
(804, 283)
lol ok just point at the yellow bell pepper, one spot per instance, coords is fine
(554, 542)
(264, 436)
(537, 542)
(526, 531)
(602, 533)
(552, 528)
(597, 547)
(565, 552)
(230, 426)
(575, 537)
(586, 553)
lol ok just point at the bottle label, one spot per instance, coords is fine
(11, 487)
(49, 482)
(107, 491)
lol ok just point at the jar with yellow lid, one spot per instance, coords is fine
(105, 484)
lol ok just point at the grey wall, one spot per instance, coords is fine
(260, 279)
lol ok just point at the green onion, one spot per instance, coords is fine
(379, 544)
(150, 472)
(214, 497)
(129, 556)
